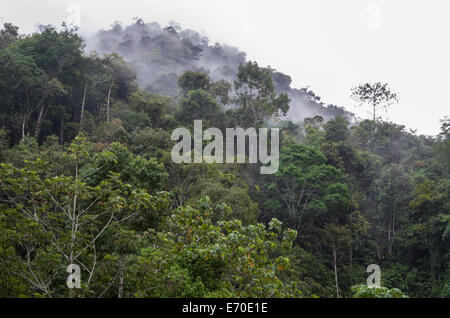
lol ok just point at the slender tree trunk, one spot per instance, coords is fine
(389, 234)
(82, 105)
(393, 223)
(120, 294)
(374, 127)
(61, 131)
(335, 270)
(39, 121)
(351, 249)
(107, 103)
(374, 113)
(74, 220)
(392, 228)
(23, 127)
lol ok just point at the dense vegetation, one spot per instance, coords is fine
(87, 178)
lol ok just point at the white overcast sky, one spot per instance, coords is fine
(328, 45)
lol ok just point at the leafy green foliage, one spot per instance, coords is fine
(86, 177)
(362, 291)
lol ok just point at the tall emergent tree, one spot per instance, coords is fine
(256, 95)
(378, 96)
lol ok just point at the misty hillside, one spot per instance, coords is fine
(88, 176)
(159, 55)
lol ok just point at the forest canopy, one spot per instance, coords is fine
(86, 177)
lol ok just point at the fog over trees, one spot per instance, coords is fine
(86, 176)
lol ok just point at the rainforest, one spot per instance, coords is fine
(87, 178)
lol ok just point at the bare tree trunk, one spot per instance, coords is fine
(389, 234)
(107, 103)
(392, 227)
(61, 131)
(393, 223)
(42, 113)
(374, 113)
(23, 128)
(74, 221)
(82, 105)
(351, 250)
(335, 270)
(374, 127)
(120, 285)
